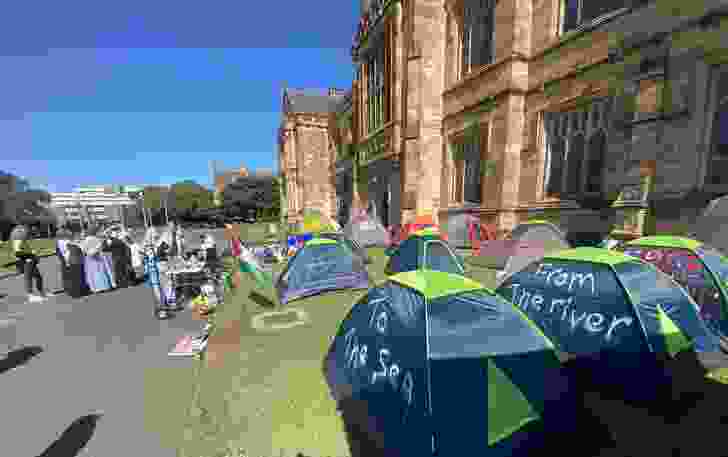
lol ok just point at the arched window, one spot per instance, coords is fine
(556, 148)
(574, 163)
(596, 162)
(575, 148)
(718, 160)
(477, 34)
(577, 13)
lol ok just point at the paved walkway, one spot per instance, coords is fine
(105, 354)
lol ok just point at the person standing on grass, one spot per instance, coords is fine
(27, 262)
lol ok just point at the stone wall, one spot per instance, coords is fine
(308, 165)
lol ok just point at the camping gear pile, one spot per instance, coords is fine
(195, 281)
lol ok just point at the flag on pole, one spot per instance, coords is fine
(262, 279)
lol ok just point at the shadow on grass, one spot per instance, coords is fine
(19, 357)
(74, 438)
(262, 300)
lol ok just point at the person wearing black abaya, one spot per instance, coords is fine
(121, 261)
(75, 278)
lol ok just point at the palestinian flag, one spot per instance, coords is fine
(263, 283)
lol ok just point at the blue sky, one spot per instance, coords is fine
(149, 92)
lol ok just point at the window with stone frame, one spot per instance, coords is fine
(469, 167)
(476, 34)
(375, 88)
(579, 13)
(575, 145)
(717, 163)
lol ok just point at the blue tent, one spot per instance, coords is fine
(433, 362)
(613, 315)
(321, 265)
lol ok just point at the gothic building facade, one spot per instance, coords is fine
(304, 151)
(520, 109)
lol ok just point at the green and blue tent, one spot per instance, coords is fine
(435, 362)
(619, 313)
(424, 250)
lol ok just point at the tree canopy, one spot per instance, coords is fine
(251, 192)
(190, 196)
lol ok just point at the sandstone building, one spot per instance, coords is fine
(341, 142)
(304, 151)
(513, 109)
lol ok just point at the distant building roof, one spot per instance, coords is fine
(312, 100)
(344, 104)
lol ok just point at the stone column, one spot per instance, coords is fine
(410, 166)
(430, 33)
(510, 122)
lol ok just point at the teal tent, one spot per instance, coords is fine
(613, 316)
(321, 265)
(424, 249)
(431, 362)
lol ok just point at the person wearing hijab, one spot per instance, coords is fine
(131, 253)
(180, 240)
(75, 279)
(63, 237)
(27, 262)
(209, 250)
(152, 271)
(171, 239)
(164, 247)
(98, 272)
(120, 260)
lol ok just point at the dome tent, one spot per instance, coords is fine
(321, 265)
(366, 230)
(711, 227)
(529, 241)
(461, 228)
(474, 374)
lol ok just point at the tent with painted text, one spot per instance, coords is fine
(430, 362)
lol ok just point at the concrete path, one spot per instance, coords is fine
(105, 354)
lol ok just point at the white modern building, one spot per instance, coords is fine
(96, 201)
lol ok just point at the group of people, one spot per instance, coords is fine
(98, 261)
(95, 262)
(90, 263)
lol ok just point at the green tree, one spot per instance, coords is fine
(153, 196)
(275, 208)
(189, 196)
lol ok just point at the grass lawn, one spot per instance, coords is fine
(264, 391)
(43, 247)
(254, 233)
